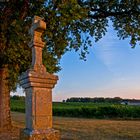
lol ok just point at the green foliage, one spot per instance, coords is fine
(71, 25)
(100, 100)
(124, 14)
(96, 110)
(18, 105)
(96, 99)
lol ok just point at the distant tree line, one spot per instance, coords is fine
(98, 100)
(87, 99)
(17, 97)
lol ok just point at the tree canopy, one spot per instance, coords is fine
(71, 25)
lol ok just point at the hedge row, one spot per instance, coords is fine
(113, 111)
(18, 105)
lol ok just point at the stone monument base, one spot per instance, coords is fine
(49, 134)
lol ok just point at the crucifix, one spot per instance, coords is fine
(38, 85)
(36, 31)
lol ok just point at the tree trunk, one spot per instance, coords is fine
(5, 115)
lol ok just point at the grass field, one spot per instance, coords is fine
(87, 110)
(86, 129)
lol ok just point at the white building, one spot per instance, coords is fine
(137, 103)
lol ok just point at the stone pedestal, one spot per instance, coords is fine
(38, 89)
(5, 118)
(38, 85)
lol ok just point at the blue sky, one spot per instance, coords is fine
(112, 69)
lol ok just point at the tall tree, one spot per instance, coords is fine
(70, 25)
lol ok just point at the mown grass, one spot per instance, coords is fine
(87, 110)
(87, 129)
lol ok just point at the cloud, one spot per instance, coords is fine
(106, 50)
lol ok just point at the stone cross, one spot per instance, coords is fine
(36, 31)
(38, 86)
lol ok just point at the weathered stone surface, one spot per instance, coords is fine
(37, 28)
(32, 78)
(5, 117)
(38, 86)
(38, 108)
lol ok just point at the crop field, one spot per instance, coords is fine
(87, 110)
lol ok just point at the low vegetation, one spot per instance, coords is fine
(96, 110)
(86, 110)
(18, 105)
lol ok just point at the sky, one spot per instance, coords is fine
(112, 69)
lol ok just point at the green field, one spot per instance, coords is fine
(87, 110)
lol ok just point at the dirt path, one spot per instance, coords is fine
(84, 129)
